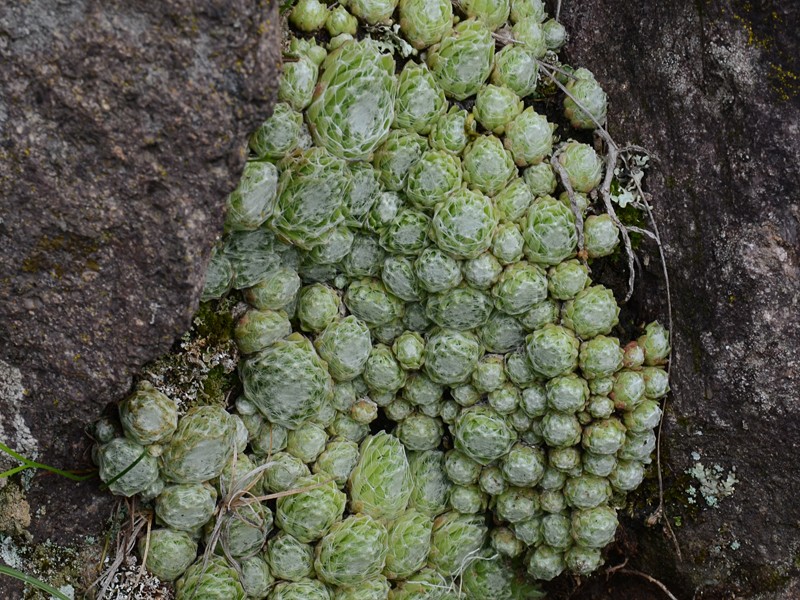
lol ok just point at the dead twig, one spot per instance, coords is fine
(660, 515)
(651, 579)
(612, 154)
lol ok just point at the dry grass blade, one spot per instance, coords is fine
(125, 543)
(576, 211)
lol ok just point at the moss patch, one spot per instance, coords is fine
(15, 512)
(201, 367)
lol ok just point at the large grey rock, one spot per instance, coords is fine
(123, 126)
(712, 89)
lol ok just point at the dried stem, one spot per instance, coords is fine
(562, 173)
(125, 542)
(660, 513)
(651, 579)
(612, 154)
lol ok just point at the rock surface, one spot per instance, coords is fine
(122, 129)
(712, 90)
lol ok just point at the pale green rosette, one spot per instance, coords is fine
(420, 101)
(287, 382)
(353, 552)
(463, 60)
(488, 166)
(212, 580)
(311, 190)
(201, 447)
(353, 105)
(424, 22)
(169, 553)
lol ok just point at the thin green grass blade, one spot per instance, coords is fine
(31, 464)
(124, 471)
(37, 583)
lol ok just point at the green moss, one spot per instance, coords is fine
(217, 385)
(201, 368)
(213, 322)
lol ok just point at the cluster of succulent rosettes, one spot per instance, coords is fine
(410, 266)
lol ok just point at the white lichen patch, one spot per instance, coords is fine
(130, 581)
(58, 566)
(713, 483)
(14, 432)
(9, 553)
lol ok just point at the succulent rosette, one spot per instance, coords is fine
(380, 484)
(549, 232)
(586, 104)
(452, 131)
(352, 552)
(463, 60)
(213, 579)
(483, 435)
(279, 134)
(310, 192)
(529, 138)
(488, 166)
(288, 381)
(433, 177)
(464, 223)
(420, 102)
(424, 22)
(496, 107)
(515, 67)
(451, 356)
(353, 105)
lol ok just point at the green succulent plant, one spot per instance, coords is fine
(352, 552)
(200, 448)
(488, 166)
(583, 166)
(408, 544)
(463, 59)
(353, 105)
(586, 104)
(148, 416)
(433, 405)
(380, 484)
(308, 515)
(288, 381)
(212, 580)
(455, 537)
(515, 67)
(452, 131)
(169, 553)
(451, 356)
(431, 487)
(186, 506)
(496, 107)
(483, 434)
(424, 22)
